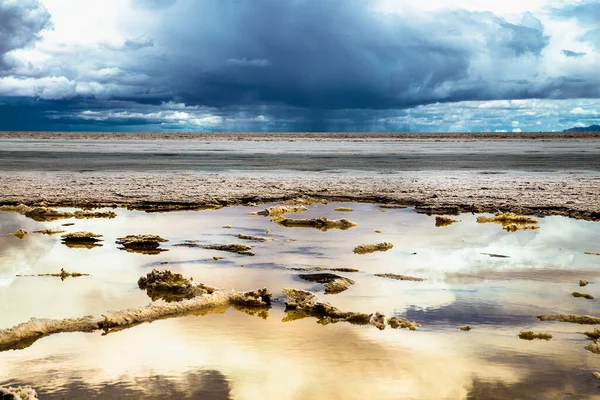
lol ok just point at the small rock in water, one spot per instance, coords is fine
(20, 234)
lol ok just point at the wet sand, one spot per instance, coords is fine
(546, 174)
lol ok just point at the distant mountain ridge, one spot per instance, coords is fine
(591, 128)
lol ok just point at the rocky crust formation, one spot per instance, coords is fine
(333, 283)
(25, 334)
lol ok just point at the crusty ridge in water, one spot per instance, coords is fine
(25, 334)
(372, 248)
(278, 211)
(323, 224)
(333, 283)
(301, 304)
(571, 318)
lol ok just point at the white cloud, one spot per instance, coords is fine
(581, 111)
(48, 88)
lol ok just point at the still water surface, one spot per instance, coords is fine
(227, 354)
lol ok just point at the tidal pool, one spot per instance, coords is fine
(227, 354)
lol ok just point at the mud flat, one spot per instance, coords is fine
(442, 174)
(556, 193)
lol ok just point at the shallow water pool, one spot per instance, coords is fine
(227, 354)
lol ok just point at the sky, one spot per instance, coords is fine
(299, 65)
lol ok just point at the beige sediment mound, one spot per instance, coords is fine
(583, 283)
(441, 221)
(323, 224)
(507, 218)
(18, 393)
(25, 334)
(260, 298)
(254, 238)
(81, 240)
(62, 275)
(141, 242)
(465, 328)
(371, 248)
(243, 249)
(300, 304)
(583, 295)
(278, 211)
(529, 335)
(169, 286)
(81, 237)
(519, 227)
(570, 318)
(45, 214)
(19, 209)
(397, 323)
(86, 214)
(49, 231)
(594, 347)
(20, 234)
(333, 283)
(595, 334)
(343, 209)
(400, 277)
(510, 222)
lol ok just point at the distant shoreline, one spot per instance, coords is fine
(297, 136)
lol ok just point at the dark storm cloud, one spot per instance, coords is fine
(573, 54)
(289, 65)
(20, 25)
(330, 55)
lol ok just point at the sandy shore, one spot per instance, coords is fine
(559, 193)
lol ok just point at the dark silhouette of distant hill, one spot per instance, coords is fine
(592, 128)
